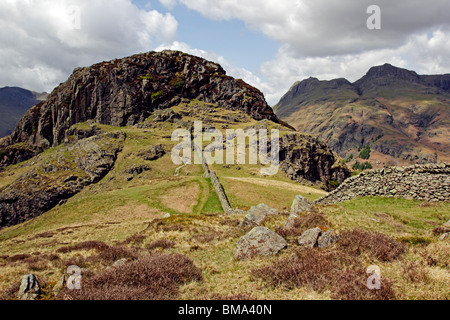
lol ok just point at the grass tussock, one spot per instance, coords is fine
(437, 254)
(153, 277)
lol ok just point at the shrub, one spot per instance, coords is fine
(362, 166)
(303, 223)
(365, 153)
(324, 270)
(137, 238)
(163, 243)
(87, 245)
(153, 277)
(376, 245)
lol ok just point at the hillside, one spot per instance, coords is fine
(402, 116)
(14, 103)
(88, 179)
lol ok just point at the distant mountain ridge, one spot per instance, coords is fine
(402, 116)
(14, 103)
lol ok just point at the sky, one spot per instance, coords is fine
(268, 43)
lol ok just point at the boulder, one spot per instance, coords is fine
(30, 288)
(257, 215)
(300, 205)
(309, 237)
(327, 239)
(259, 242)
(445, 236)
(447, 224)
(290, 221)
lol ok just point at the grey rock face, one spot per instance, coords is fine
(309, 237)
(257, 215)
(307, 158)
(119, 263)
(259, 242)
(43, 187)
(30, 288)
(152, 153)
(126, 92)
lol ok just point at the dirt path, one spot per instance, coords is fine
(279, 184)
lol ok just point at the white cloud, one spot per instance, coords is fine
(43, 40)
(423, 53)
(329, 27)
(169, 4)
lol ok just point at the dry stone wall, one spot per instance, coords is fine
(429, 182)
(217, 187)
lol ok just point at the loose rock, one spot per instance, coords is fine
(257, 215)
(30, 288)
(327, 239)
(260, 241)
(309, 237)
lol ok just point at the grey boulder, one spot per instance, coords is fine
(259, 242)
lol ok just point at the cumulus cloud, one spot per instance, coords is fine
(425, 53)
(43, 40)
(329, 27)
(330, 39)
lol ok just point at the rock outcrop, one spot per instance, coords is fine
(126, 92)
(420, 182)
(58, 177)
(304, 157)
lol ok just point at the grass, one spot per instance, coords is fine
(392, 216)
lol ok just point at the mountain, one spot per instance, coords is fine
(89, 186)
(402, 116)
(81, 132)
(14, 103)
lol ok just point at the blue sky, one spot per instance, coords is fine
(240, 45)
(268, 43)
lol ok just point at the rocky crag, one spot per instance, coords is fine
(154, 91)
(126, 92)
(420, 182)
(304, 157)
(59, 177)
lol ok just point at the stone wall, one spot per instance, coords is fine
(221, 193)
(429, 182)
(217, 187)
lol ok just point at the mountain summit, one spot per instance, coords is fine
(400, 115)
(127, 91)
